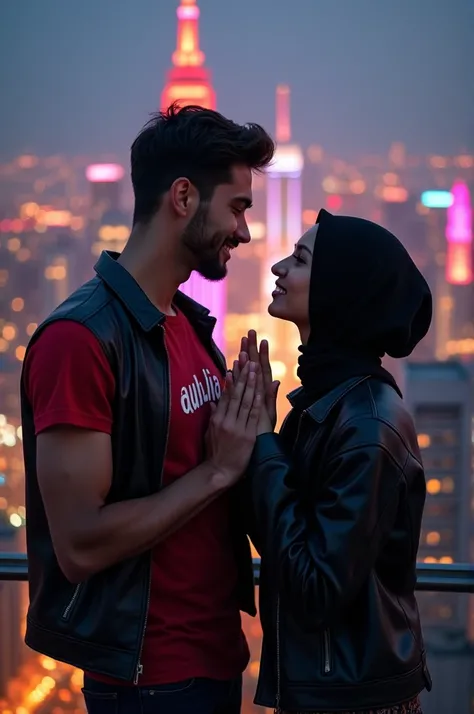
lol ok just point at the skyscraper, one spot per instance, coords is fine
(189, 82)
(439, 396)
(284, 229)
(284, 207)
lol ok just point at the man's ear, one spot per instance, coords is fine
(183, 198)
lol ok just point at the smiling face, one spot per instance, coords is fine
(291, 295)
(219, 225)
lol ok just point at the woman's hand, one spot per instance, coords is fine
(249, 351)
(265, 424)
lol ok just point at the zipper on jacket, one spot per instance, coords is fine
(67, 610)
(277, 709)
(300, 421)
(139, 667)
(327, 652)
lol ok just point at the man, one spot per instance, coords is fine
(138, 564)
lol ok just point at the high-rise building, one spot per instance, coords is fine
(459, 236)
(284, 229)
(189, 82)
(106, 226)
(458, 272)
(105, 188)
(439, 396)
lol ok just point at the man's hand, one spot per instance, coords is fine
(249, 351)
(234, 423)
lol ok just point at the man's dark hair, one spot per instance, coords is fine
(194, 142)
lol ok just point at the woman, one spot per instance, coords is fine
(339, 493)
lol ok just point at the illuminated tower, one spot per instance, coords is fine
(459, 237)
(458, 268)
(189, 82)
(108, 227)
(284, 206)
(284, 228)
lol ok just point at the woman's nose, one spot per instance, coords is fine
(279, 269)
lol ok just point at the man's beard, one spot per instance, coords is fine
(204, 246)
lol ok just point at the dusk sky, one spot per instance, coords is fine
(82, 77)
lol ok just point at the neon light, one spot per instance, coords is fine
(459, 264)
(17, 225)
(257, 230)
(459, 225)
(293, 213)
(188, 82)
(309, 217)
(331, 184)
(56, 218)
(437, 199)
(187, 53)
(334, 202)
(187, 12)
(104, 173)
(274, 227)
(113, 233)
(214, 297)
(283, 121)
(394, 194)
(187, 92)
(287, 160)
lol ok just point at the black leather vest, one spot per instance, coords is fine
(99, 624)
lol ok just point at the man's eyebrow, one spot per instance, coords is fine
(245, 201)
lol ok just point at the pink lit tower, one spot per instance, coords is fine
(456, 309)
(459, 237)
(284, 206)
(284, 228)
(189, 82)
(453, 305)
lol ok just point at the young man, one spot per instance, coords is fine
(138, 561)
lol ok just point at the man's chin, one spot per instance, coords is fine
(214, 273)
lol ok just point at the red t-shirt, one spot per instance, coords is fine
(194, 624)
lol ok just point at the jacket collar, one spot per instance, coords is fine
(321, 408)
(129, 292)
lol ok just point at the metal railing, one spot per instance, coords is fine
(453, 577)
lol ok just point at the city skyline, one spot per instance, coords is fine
(80, 82)
(361, 77)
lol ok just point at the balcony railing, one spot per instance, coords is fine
(453, 577)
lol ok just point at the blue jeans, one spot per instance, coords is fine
(192, 696)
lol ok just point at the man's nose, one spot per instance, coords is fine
(243, 234)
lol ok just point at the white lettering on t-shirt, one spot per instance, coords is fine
(200, 392)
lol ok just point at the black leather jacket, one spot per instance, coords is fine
(99, 624)
(338, 497)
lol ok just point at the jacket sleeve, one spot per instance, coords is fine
(321, 552)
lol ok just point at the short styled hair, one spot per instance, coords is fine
(194, 142)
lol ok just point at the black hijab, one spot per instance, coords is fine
(367, 299)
